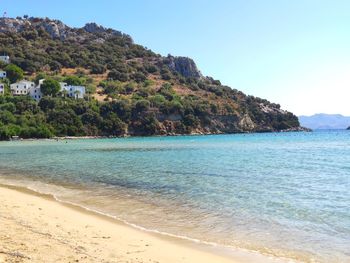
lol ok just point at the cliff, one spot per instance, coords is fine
(158, 95)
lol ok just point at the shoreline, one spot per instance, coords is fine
(159, 248)
(301, 129)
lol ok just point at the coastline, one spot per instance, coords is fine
(35, 225)
(299, 129)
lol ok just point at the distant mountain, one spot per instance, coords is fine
(325, 121)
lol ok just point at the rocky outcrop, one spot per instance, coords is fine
(13, 25)
(246, 123)
(94, 28)
(56, 29)
(270, 108)
(348, 128)
(183, 65)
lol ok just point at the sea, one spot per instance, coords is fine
(284, 195)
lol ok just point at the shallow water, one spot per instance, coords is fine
(283, 194)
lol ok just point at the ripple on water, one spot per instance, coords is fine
(281, 194)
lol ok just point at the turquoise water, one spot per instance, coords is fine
(285, 194)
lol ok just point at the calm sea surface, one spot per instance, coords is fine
(285, 194)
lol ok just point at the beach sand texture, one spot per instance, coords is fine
(39, 229)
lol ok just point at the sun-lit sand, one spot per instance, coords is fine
(36, 228)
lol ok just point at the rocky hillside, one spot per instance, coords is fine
(146, 93)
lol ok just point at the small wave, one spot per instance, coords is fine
(153, 231)
(186, 238)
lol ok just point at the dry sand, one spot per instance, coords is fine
(36, 228)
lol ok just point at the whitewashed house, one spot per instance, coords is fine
(36, 93)
(77, 92)
(25, 87)
(2, 89)
(21, 88)
(2, 74)
(5, 59)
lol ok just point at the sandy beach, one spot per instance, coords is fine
(37, 228)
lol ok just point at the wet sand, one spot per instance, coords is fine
(36, 228)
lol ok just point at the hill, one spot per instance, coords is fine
(131, 89)
(325, 121)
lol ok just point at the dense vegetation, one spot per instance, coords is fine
(130, 89)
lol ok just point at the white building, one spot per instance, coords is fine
(5, 59)
(77, 92)
(2, 89)
(36, 93)
(2, 74)
(25, 87)
(21, 88)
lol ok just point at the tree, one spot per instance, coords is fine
(7, 117)
(65, 122)
(14, 73)
(97, 69)
(39, 76)
(138, 77)
(151, 69)
(76, 94)
(55, 65)
(112, 125)
(142, 106)
(74, 80)
(64, 93)
(50, 87)
(116, 75)
(91, 117)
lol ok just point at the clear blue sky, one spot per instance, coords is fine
(292, 52)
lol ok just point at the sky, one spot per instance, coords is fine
(292, 52)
